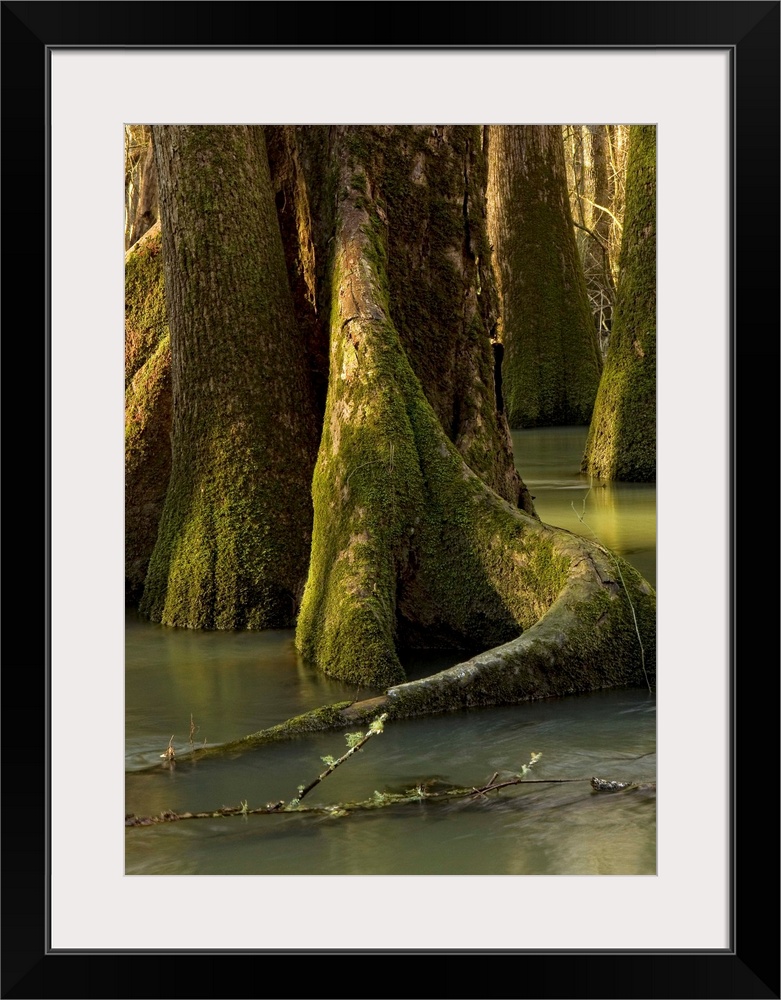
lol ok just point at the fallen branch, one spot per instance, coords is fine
(421, 791)
(381, 800)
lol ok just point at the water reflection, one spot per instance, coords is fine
(621, 516)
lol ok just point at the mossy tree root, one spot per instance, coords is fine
(586, 641)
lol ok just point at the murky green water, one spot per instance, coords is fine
(620, 515)
(231, 684)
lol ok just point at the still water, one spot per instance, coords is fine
(225, 685)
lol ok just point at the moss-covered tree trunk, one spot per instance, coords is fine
(147, 406)
(621, 443)
(429, 190)
(552, 362)
(411, 543)
(233, 541)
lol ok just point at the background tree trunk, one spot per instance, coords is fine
(552, 362)
(141, 198)
(588, 174)
(622, 437)
(233, 542)
(596, 171)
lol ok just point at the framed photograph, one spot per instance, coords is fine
(706, 75)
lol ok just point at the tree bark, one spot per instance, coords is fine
(233, 541)
(621, 443)
(552, 362)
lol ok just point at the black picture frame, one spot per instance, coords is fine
(750, 967)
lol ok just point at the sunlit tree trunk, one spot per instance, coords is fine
(233, 541)
(622, 436)
(552, 362)
(594, 239)
(596, 167)
(617, 145)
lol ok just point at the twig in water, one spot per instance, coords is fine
(355, 742)
(382, 799)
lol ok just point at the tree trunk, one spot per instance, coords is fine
(147, 406)
(233, 541)
(621, 443)
(141, 198)
(595, 243)
(552, 362)
(410, 545)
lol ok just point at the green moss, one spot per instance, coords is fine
(147, 463)
(319, 719)
(147, 406)
(141, 399)
(146, 318)
(428, 236)
(217, 563)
